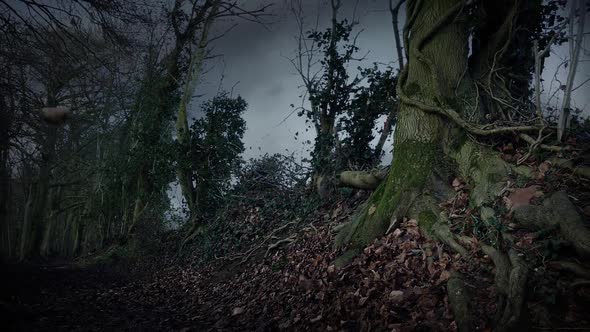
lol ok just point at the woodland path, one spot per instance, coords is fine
(59, 297)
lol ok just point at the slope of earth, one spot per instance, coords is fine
(290, 282)
(396, 283)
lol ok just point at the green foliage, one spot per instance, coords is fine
(269, 192)
(343, 106)
(329, 93)
(215, 148)
(333, 88)
(367, 105)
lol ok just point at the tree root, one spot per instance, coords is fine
(557, 211)
(460, 302)
(442, 232)
(570, 267)
(513, 311)
(510, 280)
(247, 254)
(286, 240)
(568, 164)
(580, 283)
(360, 179)
(195, 230)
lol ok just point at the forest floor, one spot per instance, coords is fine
(287, 280)
(388, 286)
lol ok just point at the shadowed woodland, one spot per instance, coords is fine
(128, 202)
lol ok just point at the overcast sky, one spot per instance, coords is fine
(255, 64)
(255, 61)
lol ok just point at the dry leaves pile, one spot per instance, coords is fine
(396, 283)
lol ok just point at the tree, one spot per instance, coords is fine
(187, 20)
(576, 45)
(216, 145)
(439, 109)
(183, 171)
(327, 83)
(214, 156)
(418, 137)
(343, 109)
(367, 104)
(58, 171)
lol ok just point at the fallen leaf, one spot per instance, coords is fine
(521, 196)
(544, 167)
(444, 276)
(396, 296)
(331, 269)
(458, 184)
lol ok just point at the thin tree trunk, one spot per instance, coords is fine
(184, 171)
(394, 10)
(140, 200)
(26, 229)
(576, 42)
(388, 125)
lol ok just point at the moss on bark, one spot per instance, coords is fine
(409, 172)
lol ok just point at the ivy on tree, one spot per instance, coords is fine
(215, 148)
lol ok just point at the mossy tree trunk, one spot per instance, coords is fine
(430, 150)
(34, 217)
(184, 170)
(418, 175)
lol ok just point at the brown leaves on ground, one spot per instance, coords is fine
(522, 196)
(457, 205)
(396, 283)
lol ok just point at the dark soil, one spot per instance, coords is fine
(60, 297)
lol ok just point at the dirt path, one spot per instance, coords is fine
(59, 297)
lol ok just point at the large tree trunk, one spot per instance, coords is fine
(430, 150)
(418, 173)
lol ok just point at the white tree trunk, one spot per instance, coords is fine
(575, 46)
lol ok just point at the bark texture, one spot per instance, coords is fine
(419, 168)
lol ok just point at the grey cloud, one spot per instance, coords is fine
(275, 90)
(254, 57)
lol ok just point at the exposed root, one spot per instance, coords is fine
(514, 315)
(460, 302)
(360, 179)
(557, 211)
(510, 280)
(442, 232)
(502, 264)
(570, 267)
(580, 283)
(280, 242)
(568, 164)
(537, 143)
(195, 230)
